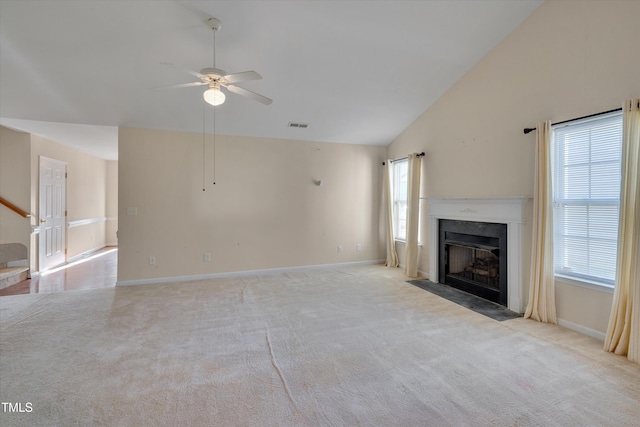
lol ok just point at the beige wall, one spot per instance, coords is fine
(112, 204)
(568, 59)
(86, 193)
(265, 210)
(15, 148)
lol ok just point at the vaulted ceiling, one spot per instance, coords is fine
(356, 71)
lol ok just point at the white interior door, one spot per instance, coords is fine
(53, 213)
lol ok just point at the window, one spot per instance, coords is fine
(586, 187)
(400, 169)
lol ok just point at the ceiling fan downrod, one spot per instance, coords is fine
(215, 25)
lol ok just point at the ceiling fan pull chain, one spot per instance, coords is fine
(214, 145)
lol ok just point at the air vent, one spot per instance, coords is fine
(298, 125)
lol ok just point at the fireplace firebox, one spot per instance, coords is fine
(473, 258)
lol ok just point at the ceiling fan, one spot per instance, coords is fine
(216, 78)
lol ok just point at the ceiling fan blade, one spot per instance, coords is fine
(243, 76)
(244, 92)
(186, 70)
(181, 85)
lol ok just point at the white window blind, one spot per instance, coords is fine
(586, 182)
(400, 170)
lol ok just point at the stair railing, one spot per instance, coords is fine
(14, 208)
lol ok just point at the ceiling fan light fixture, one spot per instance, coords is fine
(214, 95)
(216, 78)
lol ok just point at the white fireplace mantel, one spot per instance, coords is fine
(502, 210)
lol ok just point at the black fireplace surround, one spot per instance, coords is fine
(473, 258)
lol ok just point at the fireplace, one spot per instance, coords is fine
(473, 257)
(510, 215)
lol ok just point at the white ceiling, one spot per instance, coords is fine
(356, 71)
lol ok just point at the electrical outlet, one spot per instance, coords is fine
(339, 249)
(207, 257)
(358, 247)
(152, 260)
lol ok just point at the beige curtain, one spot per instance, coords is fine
(542, 300)
(413, 215)
(392, 255)
(623, 333)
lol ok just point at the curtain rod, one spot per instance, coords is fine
(528, 130)
(404, 158)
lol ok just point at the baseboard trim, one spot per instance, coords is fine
(71, 260)
(85, 254)
(242, 273)
(581, 329)
(423, 275)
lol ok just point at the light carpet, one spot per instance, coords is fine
(353, 346)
